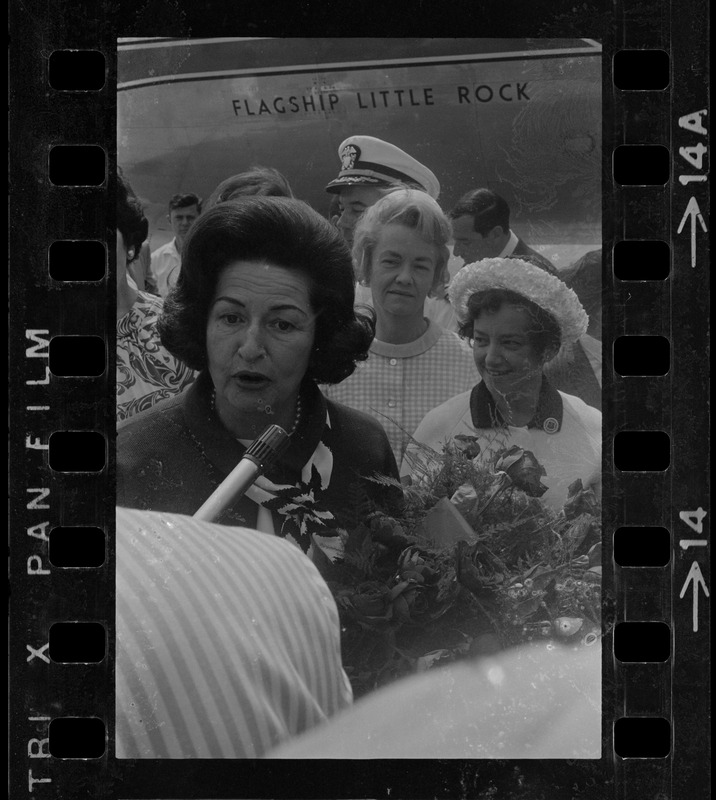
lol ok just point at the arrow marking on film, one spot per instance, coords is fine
(686, 543)
(698, 580)
(694, 212)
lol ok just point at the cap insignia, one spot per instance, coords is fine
(349, 155)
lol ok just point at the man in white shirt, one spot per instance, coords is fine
(184, 209)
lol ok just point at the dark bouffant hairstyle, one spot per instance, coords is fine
(263, 181)
(280, 231)
(131, 222)
(487, 209)
(545, 335)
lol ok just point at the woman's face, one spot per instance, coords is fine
(402, 271)
(504, 353)
(259, 338)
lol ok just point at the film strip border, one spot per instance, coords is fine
(61, 380)
(660, 493)
(62, 316)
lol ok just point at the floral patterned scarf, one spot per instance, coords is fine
(303, 520)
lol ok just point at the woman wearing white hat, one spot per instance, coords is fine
(517, 316)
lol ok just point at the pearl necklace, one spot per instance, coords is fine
(296, 420)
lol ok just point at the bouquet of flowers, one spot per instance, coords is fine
(474, 563)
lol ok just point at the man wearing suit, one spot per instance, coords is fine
(481, 229)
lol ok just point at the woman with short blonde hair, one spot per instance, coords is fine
(400, 252)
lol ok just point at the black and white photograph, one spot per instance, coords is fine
(358, 399)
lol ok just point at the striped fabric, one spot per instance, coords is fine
(400, 383)
(228, 640)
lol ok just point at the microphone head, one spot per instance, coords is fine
(268, 447)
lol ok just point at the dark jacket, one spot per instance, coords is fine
(523, 250)
(172, 457)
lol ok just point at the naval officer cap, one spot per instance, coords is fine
(367, 161)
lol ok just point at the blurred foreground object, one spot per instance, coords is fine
(227, 640)
(535, 701)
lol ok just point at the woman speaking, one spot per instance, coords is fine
(264, 310)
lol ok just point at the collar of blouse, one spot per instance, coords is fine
(547, 417)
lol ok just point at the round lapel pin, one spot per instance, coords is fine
(550, 425)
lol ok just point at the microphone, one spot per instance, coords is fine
(262, 452)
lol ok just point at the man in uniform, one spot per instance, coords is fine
(370, 168)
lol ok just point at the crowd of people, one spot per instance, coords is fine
(357, 334)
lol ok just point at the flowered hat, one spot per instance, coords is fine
(533, 283)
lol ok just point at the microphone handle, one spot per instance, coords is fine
(262, 452)
(230, 489)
